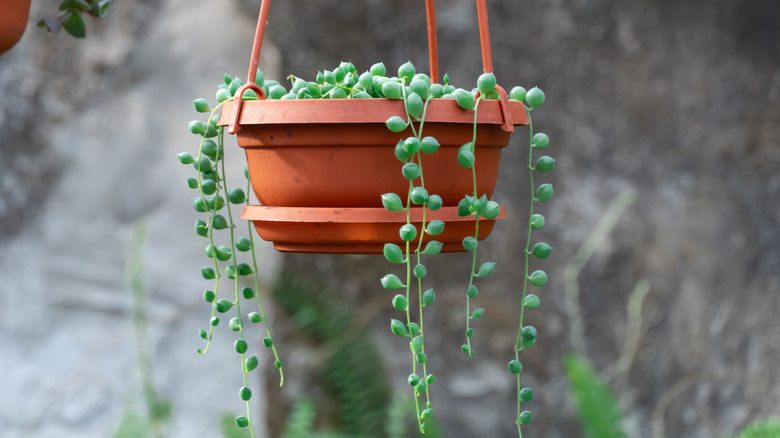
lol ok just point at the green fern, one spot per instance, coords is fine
(599, 414)
(761, 429)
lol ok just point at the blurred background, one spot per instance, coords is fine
(664, 119)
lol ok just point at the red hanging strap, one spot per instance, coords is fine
(433, 51)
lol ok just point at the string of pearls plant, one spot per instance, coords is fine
(416, 90)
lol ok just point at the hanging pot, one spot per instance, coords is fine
(318, 167)
(13, 22)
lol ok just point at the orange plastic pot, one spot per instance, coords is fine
(339, 153)
(355, 230)
(13, 22)
(319, 167)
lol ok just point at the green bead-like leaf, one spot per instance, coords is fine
(243, 244)
(241, 421)
(428, 297)
(486, 83)
(396, 124)
(515, 366)
(435, 227)
(201, 229)
(544, 193)
(414, 329)
(251, 363)
(470, 243)
(534, 97)
(393, 253)
(208, 273)
(392, 282)
(236, 195)
(526, 394)
(400, 152)
(245, 393)
(247, 292)
(416, 344)
(240, 346)
(524, 417)
(421, 358)
(406, 70)
(185, 158)
(414, 105)
(419, 87)
(538, 278)
(491, 210)
(472, 291)
(223, 94)
(469, 332)
(466, 159)
(486, 269)
(199, 204)
(203, 334)
(434, 202)
(201, 105)
(420, 271)
(429, 145)
(214, 321)
(392, 90)
(255, 317)
(192, 183)
(518, 93)
(392, 202)
(398, 328)
(541, 250)
(529, 333)
(433, 247)
(411, 171)
(208, 187)
(408, 232)
(477, 313)
(219, 222)
(419, 195)
(268, 342)
(531, 301)
(224, 305)
(540, 141)
(74, 24)
(400, 303)
(223, 253)
(464, 98)
(413, 379)
(209, 296)
(197, 127)
(235, 324)
(537, 221)
(545, 163)
(411, 145)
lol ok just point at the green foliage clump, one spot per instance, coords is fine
(599, 414)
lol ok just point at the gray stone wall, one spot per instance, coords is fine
(677, 101)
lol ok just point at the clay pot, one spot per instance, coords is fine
(13, 22)
(319, 168)
(339, 153)
(355, 230)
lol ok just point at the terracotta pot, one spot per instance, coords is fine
(339, 153)
(355, 230)
(13, 22)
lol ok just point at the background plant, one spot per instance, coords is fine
(72, 18)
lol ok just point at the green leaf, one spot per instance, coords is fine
(420, 271)
(378, 69)
(197, 127)
(433, 247)
(242, 421)
(391, 282)
(245, 393)
(251, 363)
(466, 159)
(408, 232)
(545, 163)
(392, 90)
(518, 93)
(393, 253)
(529, 333)
(411, 171)
(235, 324)
(515, 366)
(538, 278)
(472, 292)
(464, 98)
(526, 394)
(400, 303)
(236, 195)
(419, 195)
(398, 328)
(486, 83)
(416, 344)
(428, 297)
(434, 202)
(525, 417)
(540, 141)
(392, 202)
(486, 269)
(534, 97)
(201, 105)
(544, 193)
(435, 227)
(477, 313)
(531, 301)
(255, 317)
(470, 243)
(537, 221)
(414, 329)
(491, 210)
(414, 104)
(407, 71)
(429, 145)
(224, 305)
(240, 346)
(541, 250)
(598, 410)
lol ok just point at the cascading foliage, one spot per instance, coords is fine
(416, 90)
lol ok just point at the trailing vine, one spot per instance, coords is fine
(213, 198)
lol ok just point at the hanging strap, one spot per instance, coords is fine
(433, 57)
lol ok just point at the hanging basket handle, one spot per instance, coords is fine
(433, 52)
